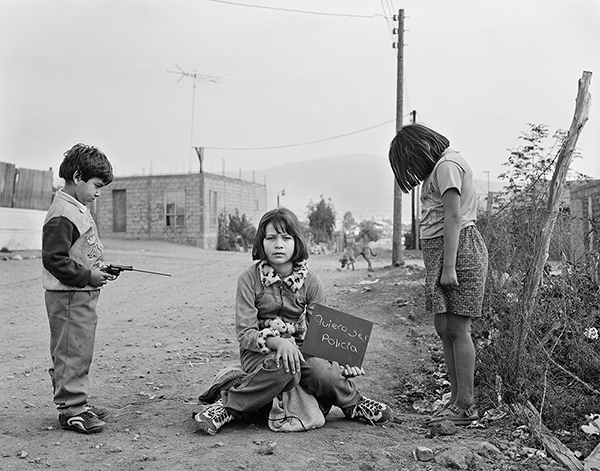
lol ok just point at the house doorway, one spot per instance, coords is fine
(119, 198)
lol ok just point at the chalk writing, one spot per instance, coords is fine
(332, 325)
(334, 342)
(337, 336)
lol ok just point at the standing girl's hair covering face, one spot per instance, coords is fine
(284, 221)
(413, 154)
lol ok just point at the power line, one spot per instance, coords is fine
(387, 12)
(302, 143)
(348, 15)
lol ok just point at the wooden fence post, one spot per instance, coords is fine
(533, 276)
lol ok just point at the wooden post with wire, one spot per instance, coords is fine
(200, 153)
(397, 255)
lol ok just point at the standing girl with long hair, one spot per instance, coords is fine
(454, 253)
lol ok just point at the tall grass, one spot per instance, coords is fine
(559, 364)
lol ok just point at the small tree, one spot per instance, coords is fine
(234, 231)
(241, 231)
(348, 222)
(530, 166)
(321, 220)
(223, 233)
(522, 203)
(368, 230)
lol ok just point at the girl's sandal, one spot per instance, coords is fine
(437, 413)
(456, 415)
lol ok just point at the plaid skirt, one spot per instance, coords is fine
(471, 271)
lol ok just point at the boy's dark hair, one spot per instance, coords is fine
(89, 161)
(283, 220)
(413, 154)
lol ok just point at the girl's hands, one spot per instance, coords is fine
(287, 352)
(351, 371)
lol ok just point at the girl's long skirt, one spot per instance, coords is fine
(471, 271)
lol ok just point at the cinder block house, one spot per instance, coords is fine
(585, 211)
(181, 208)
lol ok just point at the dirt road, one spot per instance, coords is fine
(160, 340)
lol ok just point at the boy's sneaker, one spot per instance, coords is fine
(377, 413)
(86, 422)
(212, 417)
(101, 412)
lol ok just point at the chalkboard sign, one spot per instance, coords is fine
(337, 336)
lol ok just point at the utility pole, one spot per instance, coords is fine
(489, 198)
(397, 256)
(282, 193)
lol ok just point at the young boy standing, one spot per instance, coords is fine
(72, 256)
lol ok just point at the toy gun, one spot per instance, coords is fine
(116, 270)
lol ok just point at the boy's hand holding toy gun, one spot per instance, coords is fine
(115, 270)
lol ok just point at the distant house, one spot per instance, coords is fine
(181, 208)
(585, 213)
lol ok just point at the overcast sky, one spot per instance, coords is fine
(282, 73)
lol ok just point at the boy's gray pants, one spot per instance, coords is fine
(73, 319)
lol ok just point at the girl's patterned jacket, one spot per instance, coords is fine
(263, 296)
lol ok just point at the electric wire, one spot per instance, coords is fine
(292, 10)
(387, 16)
(302, 143)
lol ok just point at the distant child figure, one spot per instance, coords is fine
(72, 258)
(280, 285)
(454, 253)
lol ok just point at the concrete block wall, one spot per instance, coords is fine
(585, 207)
(232, 193)
(145, 208)
(21, 229)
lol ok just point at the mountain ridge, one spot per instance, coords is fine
(360, 183)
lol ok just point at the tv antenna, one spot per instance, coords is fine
(195, 78)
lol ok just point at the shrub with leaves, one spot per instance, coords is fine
(241, 231)
(223, 233)
(551, 358)
(368, 230)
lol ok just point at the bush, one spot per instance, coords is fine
(552, 358)
(234, 232)
(223, 233)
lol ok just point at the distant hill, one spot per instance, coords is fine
(360, 183)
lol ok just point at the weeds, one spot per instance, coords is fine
(559, 368)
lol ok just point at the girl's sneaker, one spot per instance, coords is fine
(212, 417)
(85, 422)
(376, 413)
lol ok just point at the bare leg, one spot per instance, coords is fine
(439, 323)
(459, 353)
